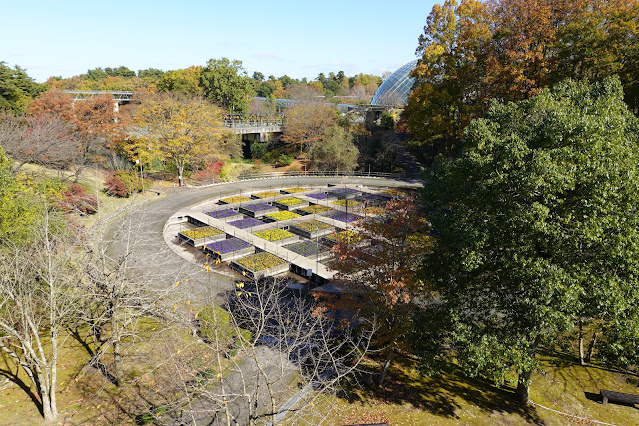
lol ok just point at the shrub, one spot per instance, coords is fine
(283, 160)
(124, 184)
(258, 150)
(225, 173)
(210, 172)
(76, 199)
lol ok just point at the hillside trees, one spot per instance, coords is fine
(336, 151)
(181, 130)
(17, 89)
(306, 123)
(537, 226)
(226, 83)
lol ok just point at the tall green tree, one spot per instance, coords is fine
(17, 89)
(226, 83)
(336, 151)
(538, 225)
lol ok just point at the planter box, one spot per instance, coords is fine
(323, 196)
(225, 215)
(296, 190)
(346, 237)
(344, 192)
(285, 236)
(233, 200)
(258, 210)
(280, 216)
(291, 203)
(310, 250)
(242, 265)
(245, 223)
(229, 249)
(315, 209)
(265, 194)
(200, 241)
(310, 231)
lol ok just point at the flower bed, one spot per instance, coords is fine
(290, 203)
(309, 249)
(394, 192)
(261, 265)
(229, 249)
(312, 229)
(265, 194)
(374, 210)
(248, 222)
(346, 237)
(282, 215)
(320, 196)
(346, 203)
(344, 217)
(344, 192)
(314, 209)
(375, 199)
(257, 210)
(233, 200)
(226, 214)
(273, 235)
(198, 236)
(293, 190)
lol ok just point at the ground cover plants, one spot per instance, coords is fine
(319, 195)
(235, 199)
(294, 190)
(312, 225)
(283, 215)
(315, 209)
(258, 207)
(345, 217)
(266, 194)
(346, 203)
(260, 261)
(306, 248)
(290, 201)
(394, 192)
(228, 245)
(273, 234)
(344, 191)
(345, 237)
(221, 214)
(203, 232)
(248, 222)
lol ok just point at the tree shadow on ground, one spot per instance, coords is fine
(5, 371)
(441, 394)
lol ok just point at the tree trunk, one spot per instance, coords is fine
(581, 343)
(117, 368)
(523, 386)
(591, 347)
(387, 364)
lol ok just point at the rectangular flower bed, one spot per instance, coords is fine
(346, 237)
(225, 215)
(260, 265)
(293, 190)
(344, 217)
(265, 194)
(344, 192)
(290, 203)
(346, 203)
(276, 235)
(312, 229)
(321, 196)
(394, 192)
(281, 215)
(229, 249)
(233, 200)
(309, 249)
(257, 210)
(374, 199)
(199, 236)
(248, 222)
(315, 209)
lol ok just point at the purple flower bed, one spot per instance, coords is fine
(249, 222)
(343, 191)
(318, 195)
(345, 217)
(306, 248)
(258, 207)
(229, 245)
(221, 214)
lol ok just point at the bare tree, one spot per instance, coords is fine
(37, 298)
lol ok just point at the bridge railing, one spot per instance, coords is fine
(253, 122)
(316, 173)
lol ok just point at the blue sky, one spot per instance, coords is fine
(276, 37)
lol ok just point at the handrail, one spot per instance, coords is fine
(318, 173)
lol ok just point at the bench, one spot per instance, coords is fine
(624, 398)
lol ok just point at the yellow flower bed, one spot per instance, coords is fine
(345, 237)
(295, 190)
(315, 209)
(203, 232)
(260, 261)
(312, 226)
(266, 194)
(290, 201)
(374, 210)
(236, 199)
(283, 215)
(273, 234)
(395, 192)
(346, 203)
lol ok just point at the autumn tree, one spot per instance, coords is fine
(306, 122)
(182, 81)
(336, 151)
(226, 83)
(537, 227)
(182, 130)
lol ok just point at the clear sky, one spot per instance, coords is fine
(297, 38)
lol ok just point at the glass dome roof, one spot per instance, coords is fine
(396, 88)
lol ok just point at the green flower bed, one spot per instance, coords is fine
(283, 215)
(266, 194)
(203, 232)
(346, 203)
(346, 237)
(312, 226)
(273, 234)
(260, 261)
(315, 209)
(290, 201)
(236, 199)
(295, 190)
